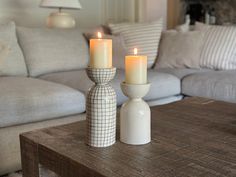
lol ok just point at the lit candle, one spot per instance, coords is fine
(100, 52)
(136, 69)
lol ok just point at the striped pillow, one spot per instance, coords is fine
(144, 36)
(219, 50)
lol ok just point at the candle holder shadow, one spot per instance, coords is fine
(101, 108)
(135, 115)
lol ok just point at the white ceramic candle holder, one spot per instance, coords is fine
(101, 108)
(135, 115)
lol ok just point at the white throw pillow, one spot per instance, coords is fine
(201, 26)
(12, 61)
(183, 28)
(144, 36)
(219, 49)
(180, 50)
(53, 50)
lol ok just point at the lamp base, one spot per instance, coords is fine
(60, 20)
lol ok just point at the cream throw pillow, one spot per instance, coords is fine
(12, 62)
(144, 36)
(180, 50)
(4, 51)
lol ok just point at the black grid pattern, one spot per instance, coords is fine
(101, 76)
(101, 108)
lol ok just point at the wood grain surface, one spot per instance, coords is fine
(192, 138)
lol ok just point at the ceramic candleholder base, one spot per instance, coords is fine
(101, 108)
(135, 115)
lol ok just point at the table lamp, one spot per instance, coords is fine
(61, 19)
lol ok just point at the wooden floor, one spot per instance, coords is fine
(192, 138)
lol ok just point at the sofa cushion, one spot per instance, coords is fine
(162, 84)
(25, 100)
(180, 50)
(52, 50)
(12, 61)
(181, 72)
(219, 85)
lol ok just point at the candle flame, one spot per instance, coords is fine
(99, 35)
(135, 51)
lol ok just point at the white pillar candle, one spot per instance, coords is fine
(100, 52)
(136, 69)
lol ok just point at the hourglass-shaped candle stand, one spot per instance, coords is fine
(101, 108)
(135, 116)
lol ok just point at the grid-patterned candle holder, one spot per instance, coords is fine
(101, 108)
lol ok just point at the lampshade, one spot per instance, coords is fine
(69, 4)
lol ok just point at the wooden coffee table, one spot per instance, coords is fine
(192, 138)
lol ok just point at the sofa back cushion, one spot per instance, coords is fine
(219, 49)
(144, 36)
(53, 50)
(12, 61)
(180, 50)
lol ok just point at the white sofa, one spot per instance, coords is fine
(52, 87)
